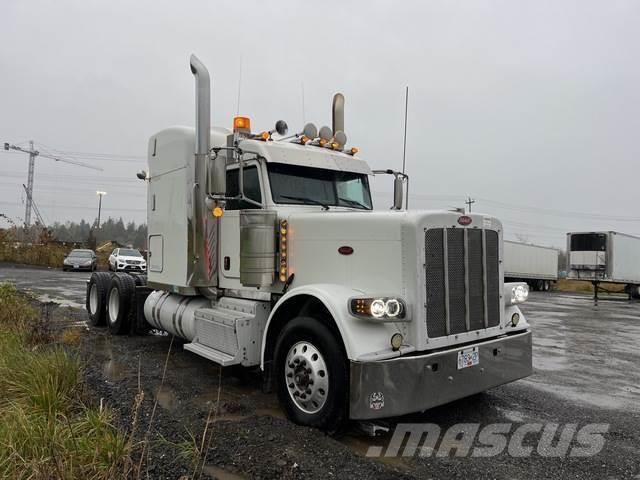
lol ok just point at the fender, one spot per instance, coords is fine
(359, 336)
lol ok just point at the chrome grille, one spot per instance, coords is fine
(462, 280)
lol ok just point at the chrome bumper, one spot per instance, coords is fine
(412, 384)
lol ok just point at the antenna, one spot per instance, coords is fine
(470, 201)
(239, 87)
(404, 146)
(304, 116)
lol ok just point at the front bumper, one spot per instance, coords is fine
(79, 267)
(404, 385)
(131, 268)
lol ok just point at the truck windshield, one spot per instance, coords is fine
(318, 186)
(128, 252)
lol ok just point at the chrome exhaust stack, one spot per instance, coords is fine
(338, 113)
(203, 228)
(203, 105)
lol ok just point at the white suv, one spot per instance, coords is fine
(127, 259)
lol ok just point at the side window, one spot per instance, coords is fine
(115, 252)
(251, 188)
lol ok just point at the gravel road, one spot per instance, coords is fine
(586, 371)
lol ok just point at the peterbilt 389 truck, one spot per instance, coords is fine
(265, 251)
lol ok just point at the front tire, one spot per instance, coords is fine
(312, 375)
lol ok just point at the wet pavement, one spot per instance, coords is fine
(48, 284)
(586, 370)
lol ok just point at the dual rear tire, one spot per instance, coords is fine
(111, 301)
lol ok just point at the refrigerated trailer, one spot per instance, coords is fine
(605, 257)
(533, 264)
(265, 251)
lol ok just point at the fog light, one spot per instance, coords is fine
(515, 318)
(396, 341)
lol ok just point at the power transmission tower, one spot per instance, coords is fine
(470, 201)
(33, 153)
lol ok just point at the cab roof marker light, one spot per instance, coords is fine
(242, 124)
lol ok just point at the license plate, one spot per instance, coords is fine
(468, 358)
(76, 266)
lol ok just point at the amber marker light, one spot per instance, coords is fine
(217, 212)
(282, 270)
(241, 124)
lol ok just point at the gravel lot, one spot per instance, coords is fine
(586, 371)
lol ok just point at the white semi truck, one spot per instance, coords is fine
(605, 257)
(265, 251)
(533, 264)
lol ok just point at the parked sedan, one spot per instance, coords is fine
(80, 259)
(127, 259)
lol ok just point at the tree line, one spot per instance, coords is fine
(111, 229)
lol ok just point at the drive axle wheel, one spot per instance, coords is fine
(97, 298)
(311, 374)
(119, 303)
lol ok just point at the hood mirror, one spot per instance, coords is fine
(281, 127)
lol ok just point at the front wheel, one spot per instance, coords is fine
(312, 374)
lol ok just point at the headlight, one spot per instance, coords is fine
(515, 293)
(380, 308)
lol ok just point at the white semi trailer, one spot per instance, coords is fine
(533, 264)
(605, 257)
(264, 251)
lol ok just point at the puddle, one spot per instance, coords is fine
(63, 302)
(114, 371)
(167, 398)
(512, 415)
(220, 473)
(361, 444)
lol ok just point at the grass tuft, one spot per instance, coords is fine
(46, 431)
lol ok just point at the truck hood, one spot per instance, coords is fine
(386, 246)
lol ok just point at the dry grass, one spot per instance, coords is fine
(71, 336)
(44, 255)
(586, 287)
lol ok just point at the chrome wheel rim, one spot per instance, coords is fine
(306, 377)
(93, 299)
(114, 305)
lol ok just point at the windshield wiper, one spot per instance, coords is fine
(354, 202)
(305, 199)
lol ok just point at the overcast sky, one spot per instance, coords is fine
(532, 108)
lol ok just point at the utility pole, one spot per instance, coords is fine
(470, 201)
(100, 194)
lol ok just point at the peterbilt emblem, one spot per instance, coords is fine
(376, 401)
(465, 220)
